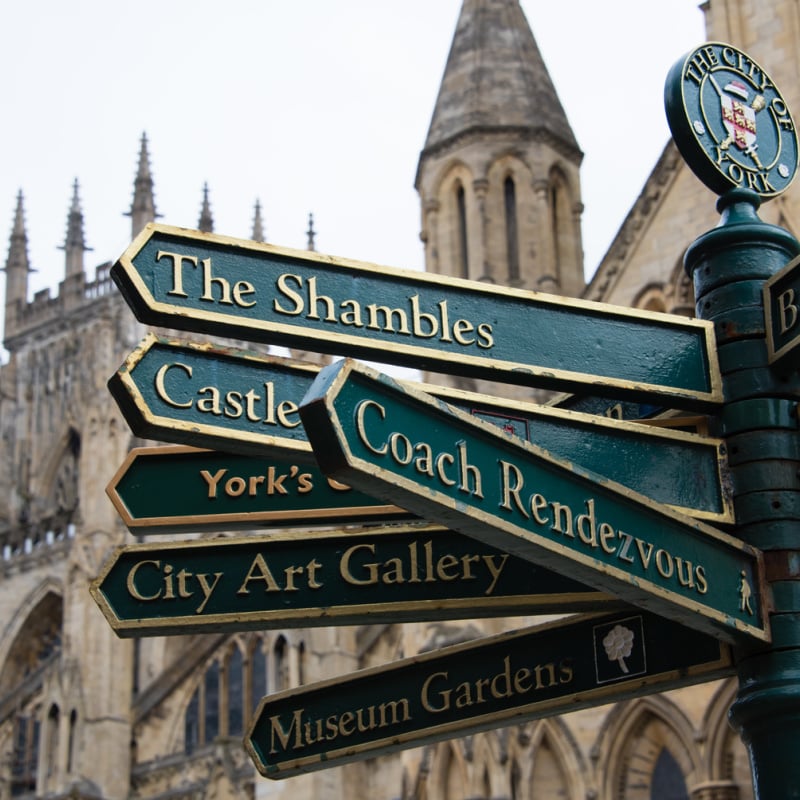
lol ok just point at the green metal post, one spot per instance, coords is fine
(759, 421)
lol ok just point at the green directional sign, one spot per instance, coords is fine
(606, 407)
(458, 691)
(238, 402)
(668, 465)
(175, 488)
(205, 397)
(405, 447)
(228, 287)
(782, 312)
(351, 577)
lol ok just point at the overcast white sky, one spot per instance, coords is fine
(311, 105)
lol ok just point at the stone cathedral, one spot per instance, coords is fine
(85, 715)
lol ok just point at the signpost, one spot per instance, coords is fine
(343, 577)
(782, 312)
(559, 500)
(736, 132)
(461, 690)
(239, 402)
(445, 466)
(229, 287)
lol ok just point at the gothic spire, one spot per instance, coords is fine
(206, 221)
(258, 225)
(143, 207)
(17, 266)
(496, 80)
(74, 245)
(310, 233)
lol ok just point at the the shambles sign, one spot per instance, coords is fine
(216, 285)
(345, 577)
(458, 691)
(408, 448)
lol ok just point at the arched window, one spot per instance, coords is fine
(655, 757)
(461, 222)
(235, 676)
(301, 662)
(51, 754)
(73, 729)
(231, 688)
(211, 715)
(512, 234)
(281, 653)
(191, 724)
(26, 754)
(667, 782)
(563, 231)
(258, 672)
(516, 780)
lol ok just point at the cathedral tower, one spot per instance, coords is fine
(498, 177)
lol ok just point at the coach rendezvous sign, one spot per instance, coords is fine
(445, 466)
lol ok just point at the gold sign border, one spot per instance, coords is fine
(320, 616)
(725, 624)
(712, 397)
(711, 670)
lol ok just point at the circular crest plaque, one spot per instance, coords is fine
(730, 122)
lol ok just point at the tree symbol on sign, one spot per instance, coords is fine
(618, 644)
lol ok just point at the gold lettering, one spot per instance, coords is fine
(161, 389)
(538, 502)
(560, 511)
(177, 271)
(494, 571)
(664, 563)
(443, 696)
(344, 722)
(291, 294)
(468, 471)
(440, 462)
(606, 533)
(212, 480)
(521, 677)
(507, 471)
(361, 409)
(787, 310)
(700, 576)
(392, 706)
(130, 581)
(372, 569)
(444, 563)
(276, 728)
(259, 571)
(461, 327)
(504, 680)
(589, 537)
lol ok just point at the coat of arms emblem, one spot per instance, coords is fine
(730, 123)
